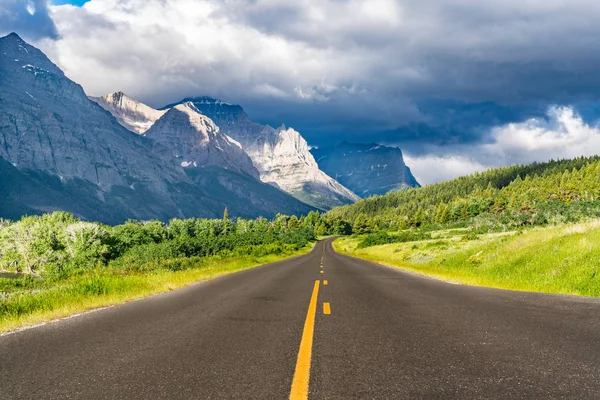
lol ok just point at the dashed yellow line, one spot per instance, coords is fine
(302, 373)
(326, 309)
(325, 282)
(321, 271)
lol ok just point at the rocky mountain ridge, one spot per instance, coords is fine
(367, 169)
(281, 155)
(195, 141)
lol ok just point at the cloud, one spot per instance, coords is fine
(30, 19)
(561, 134)
(459, 85)
(370, 68)
(432, 168)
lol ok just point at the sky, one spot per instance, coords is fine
(459, 85)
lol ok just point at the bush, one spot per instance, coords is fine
(57, 245)
(470, 236)
(379, 238)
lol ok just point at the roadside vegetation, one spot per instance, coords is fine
(526, 227)
(55, 265)
(558, 259)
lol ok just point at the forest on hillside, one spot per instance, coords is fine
(556, 191)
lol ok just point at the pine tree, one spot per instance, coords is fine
(360, 225)
(226, 221)
(293, 223)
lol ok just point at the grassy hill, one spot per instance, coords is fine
(555, 259)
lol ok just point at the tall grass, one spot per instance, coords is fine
(561, 259)
(40, 301)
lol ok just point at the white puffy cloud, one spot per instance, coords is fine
(562, 134)
(433, 168)
(161, 51)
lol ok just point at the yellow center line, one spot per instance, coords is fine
(321, 271)
(326, 309)
(302, 373)
(325, 282)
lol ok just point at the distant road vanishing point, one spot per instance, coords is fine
(319, 326)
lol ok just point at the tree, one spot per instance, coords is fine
(361, 225)
(498, 206)
(341, 227)
(321, 229)
(293, 223)
(418, 218)
(442, 214)
(464, 212)
(227, 225)
(313, 219)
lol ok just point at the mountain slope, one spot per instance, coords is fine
(132, 114)
(366, 169)
(34, 192)
(48, 125)
(49, 128)
(280, 155)
(216, 161)
(195, 141)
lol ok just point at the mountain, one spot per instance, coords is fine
(132, 114)
(366, 169)
(281, 155)
(195, 141)
(76, 153)
(48, 124)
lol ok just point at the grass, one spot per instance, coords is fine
(40, 302)
(560, 259)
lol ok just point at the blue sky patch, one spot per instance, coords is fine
(74, 2)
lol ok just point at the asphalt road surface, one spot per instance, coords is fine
(280, 331)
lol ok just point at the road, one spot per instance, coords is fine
(264, 334)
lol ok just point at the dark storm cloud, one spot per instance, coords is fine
(28, 18)
(461, 67)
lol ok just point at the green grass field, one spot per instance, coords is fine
(32, 304)
(562, 259)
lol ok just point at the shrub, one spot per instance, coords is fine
(379, 238)
(470, 236)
